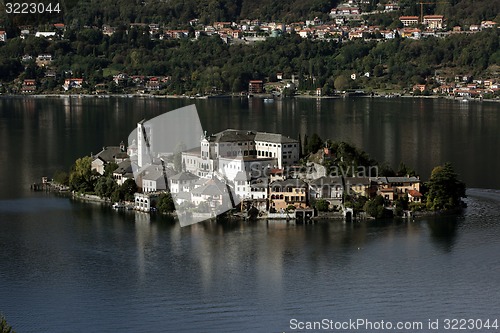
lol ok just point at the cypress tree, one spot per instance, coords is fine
(300, 147)
(306, 148)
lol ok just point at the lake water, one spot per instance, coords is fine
(67, 266)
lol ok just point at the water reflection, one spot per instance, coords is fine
(444, 231)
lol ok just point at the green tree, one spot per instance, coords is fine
(444, 189)
(341, 83)
(128, 188)
(4, 326)
(165, 203)
(82, 178)
(105, 187)
(375, 207)
(306, 145)
(109, 169)
(322, 205)
(61, 177)
(314, 143)
(300, 147)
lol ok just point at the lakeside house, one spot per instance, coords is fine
(289, 192)
(71, 83)
(29, 86)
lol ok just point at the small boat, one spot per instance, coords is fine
(118, 205)
(268, 100)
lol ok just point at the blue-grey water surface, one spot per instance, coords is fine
(68, 266)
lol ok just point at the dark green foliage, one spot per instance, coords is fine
(385, 170)
(128, 188)
(401, 204)
(4, 326)
(165, 203)
(109, 169)
(300, 146)
(348, 158)
(444, 190)
(306, 144)
(416, 206)
(61, 177)
(82, 178)
(322, 205)
(9, 69)
(375, 207)
(105, 187)
(356, 203)
(404, 171)
(314, 144)
(125, 191)
(209, 65)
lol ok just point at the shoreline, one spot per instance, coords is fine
(301, 96)
(330, 217)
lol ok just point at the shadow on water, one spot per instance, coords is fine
(444, 231)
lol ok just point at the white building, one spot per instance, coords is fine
(409, 20)
(433, 21)
(145, 201)
(231, 151)
(152, 177)
(108, 155)
(46, 34)
(283, 148)
(123, 172)
(242, 185)
(182, 182)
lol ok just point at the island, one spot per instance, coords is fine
(254, 174)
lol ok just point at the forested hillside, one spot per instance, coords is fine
(199, 66)
(179, 12)
(208, 64)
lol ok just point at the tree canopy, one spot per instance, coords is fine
(445, 190)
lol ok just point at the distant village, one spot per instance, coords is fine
(256, 172)
(346, 23)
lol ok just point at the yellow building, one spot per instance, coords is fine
(287, 192)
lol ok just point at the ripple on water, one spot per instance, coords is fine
(34, 205)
